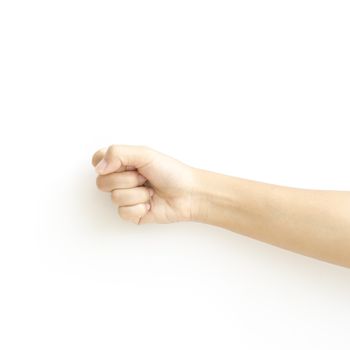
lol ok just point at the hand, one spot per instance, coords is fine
(147, 186)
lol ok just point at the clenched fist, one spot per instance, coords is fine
(147, 186)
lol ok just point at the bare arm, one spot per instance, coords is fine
(150, 187)
(311, 222)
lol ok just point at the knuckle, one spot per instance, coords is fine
(116, 196)
(114, 181)
(99, 182)
(124, 213)
(129, 215)
(114, 148)
(121, 212)
(112, 151)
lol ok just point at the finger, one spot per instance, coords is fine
(118, 156)
(96, 158)
(113, 181)
(134, 213)
(132, 196)
(99, 155)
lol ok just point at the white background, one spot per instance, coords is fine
(257, 89)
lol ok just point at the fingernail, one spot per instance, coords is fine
(148, 206)
(101, 166)
(151, 192)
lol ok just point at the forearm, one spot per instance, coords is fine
(310, 222)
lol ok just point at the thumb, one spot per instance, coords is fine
(120, 157)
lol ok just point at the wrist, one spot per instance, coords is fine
(199, 196)
(212, 195)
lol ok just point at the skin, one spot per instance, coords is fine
(150, 187)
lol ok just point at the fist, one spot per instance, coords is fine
(145, 185)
